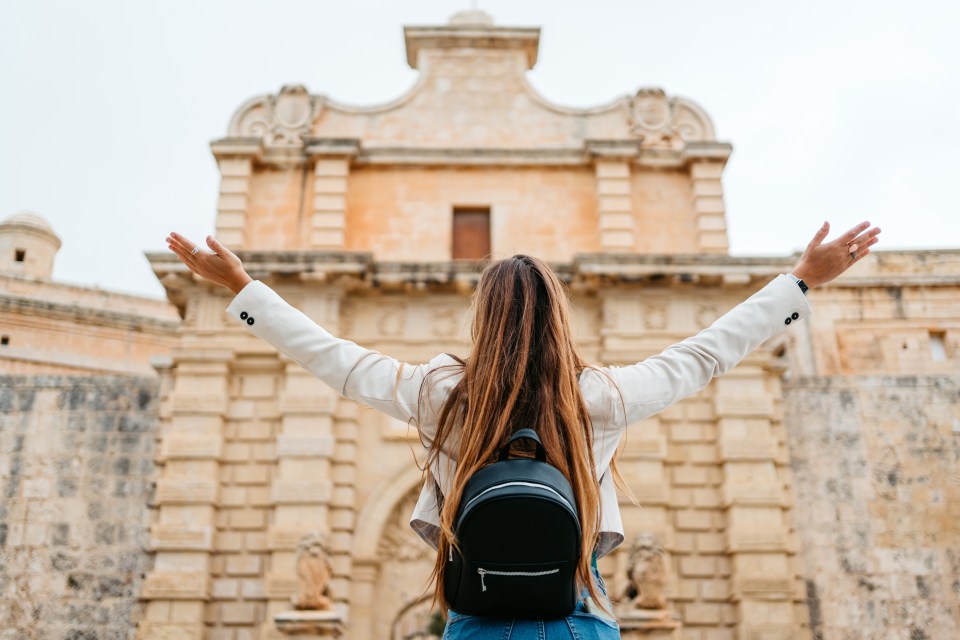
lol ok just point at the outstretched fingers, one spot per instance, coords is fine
(849, 236)
(820, 235)
(218, 248)
(180, 241)
(184, 249)
(863, 238)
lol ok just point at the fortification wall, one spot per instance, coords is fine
(875, 465)
(76, 466)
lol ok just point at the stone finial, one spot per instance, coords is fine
(471, 18)
(313, 573)
(647, 573)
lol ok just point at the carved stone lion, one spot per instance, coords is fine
(647, 573)
(313, 573)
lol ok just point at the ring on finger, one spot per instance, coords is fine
(195, 251)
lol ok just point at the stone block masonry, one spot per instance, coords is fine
(76, 465)
(875, 461)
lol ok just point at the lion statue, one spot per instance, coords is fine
(647, 573)
(313, 573)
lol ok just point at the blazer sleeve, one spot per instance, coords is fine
(688, 366)
(363, 375)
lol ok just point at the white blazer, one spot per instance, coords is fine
(392, 387)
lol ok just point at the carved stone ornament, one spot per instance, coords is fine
(313, 573)
(661, 121)
(647, 573)
(655, 316)
(280, 120)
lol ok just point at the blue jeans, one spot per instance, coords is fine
(585, 623)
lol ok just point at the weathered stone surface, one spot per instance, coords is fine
(878, 501)
(76, 461)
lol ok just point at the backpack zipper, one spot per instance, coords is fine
(530, 574)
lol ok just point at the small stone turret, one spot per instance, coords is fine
(28, 246)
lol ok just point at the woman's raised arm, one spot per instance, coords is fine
(367, 376)
(683, 369)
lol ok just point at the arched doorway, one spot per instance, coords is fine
(402, 594)
(419, 620)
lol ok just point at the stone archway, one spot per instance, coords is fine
(401, 590)
(375, 514)
(418, 620)
(390, 563)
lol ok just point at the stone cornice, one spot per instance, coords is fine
(419, 38)
(358, 271)
(22, 305)
(335, 147)
(74, 363)
(711, 151)
(629, 150)
(235, 147)
(453, 157)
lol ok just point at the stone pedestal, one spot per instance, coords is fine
(643, 624)
(310, 625)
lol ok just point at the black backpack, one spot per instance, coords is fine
(519, 534)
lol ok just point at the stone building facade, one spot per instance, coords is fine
(56, 328)
(811, 493)
(78, 415)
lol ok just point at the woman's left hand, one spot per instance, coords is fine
(822, 262)
(218, 265)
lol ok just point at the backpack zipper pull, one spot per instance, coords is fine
(451, 553)
(482, 572)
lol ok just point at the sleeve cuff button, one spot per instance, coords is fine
(788, 321)
(243, 315)
(250, 320)
(795, 315)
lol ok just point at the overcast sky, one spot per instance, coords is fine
(838, 110)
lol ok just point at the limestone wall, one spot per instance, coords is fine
(76, 464)
(53, 328)
(875, 461)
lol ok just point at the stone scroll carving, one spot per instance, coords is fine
(313, 573)
(647, 573)
(279, 120)
(662, 121)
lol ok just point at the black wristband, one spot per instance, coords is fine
(800, 283)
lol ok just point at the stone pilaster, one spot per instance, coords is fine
(343, 513)
(187, 496)
(363, 581)
(701, 571)
(614, 209)
(708, 206)
(642, 464)
(235, 158)
(302, 489)
(331, 168)
(755, 471)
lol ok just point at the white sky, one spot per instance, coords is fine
(840, 110)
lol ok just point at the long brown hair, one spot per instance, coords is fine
(523, 372)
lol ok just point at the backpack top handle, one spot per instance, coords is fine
(524, 434)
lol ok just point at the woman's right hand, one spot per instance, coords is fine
(219, 265)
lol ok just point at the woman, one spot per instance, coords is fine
(524, 371)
